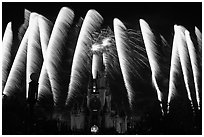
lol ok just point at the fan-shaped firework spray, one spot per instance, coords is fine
(92, 22)
(121, 45)
(45, 29)
(6, 53)
(24, 26)
(18, 71)
(174, 69)
(199, 42)
(199, 38)
(44, 88)
(195, 66)
(34, 51)
(153, 55)
(55, 53)
(185, 61)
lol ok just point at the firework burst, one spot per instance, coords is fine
(17, 74)
(6, 51)
(91, 23)
(34, 50)
(185, 62)
(153, 56)
(45, 29)
(121, 45)
(44, 88)
(174, 70)
(195, 67)
(55, 50)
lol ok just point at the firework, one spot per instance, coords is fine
(174, 69)
(34, 51)
(55, 50)
(24, 26)
(92, 22)
(153, 55)
(199, 41)
(7, 47)
(18, 69)
(121, 45)
(45, 29)
(194, 62)
(44, 88)
(185, 61)
(106, 42)
(199, 38)
(96, 60)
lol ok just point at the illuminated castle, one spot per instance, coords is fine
(95, 114)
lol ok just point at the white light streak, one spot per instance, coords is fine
(34, 51)
(92, 22)
(185, 60)
(119, 30)
(55, 53)
(153, 55)
(174, 69)
(44, 88)
(194, 63)
(18, 71)
(6, 53)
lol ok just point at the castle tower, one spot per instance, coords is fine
(97, 88)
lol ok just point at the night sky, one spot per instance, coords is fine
(160, 16)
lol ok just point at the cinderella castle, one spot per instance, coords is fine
(74, 77)
(95, 113)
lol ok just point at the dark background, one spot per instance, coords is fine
(160, 16)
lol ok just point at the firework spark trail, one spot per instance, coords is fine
(6, 51)
(174, 68)
(34, 51)
(199, 41)
(18, 69)
(185, 61)
(119, 30)
(194, 62)
(199, 38)
(24, 26)
(45, 28)
(55, 51)
(153, 55)
(44, 88)
(110, 58)
(106, 44)
(92, 22)
(138, 56)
